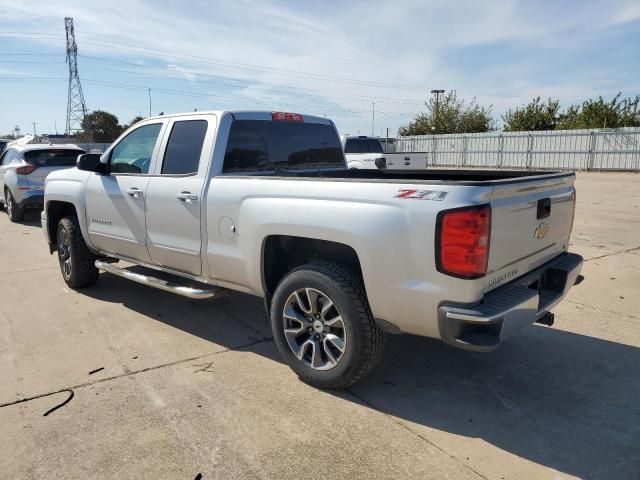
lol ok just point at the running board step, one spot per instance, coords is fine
(168, 286)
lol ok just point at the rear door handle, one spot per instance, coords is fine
(187, 197)
(135, 192)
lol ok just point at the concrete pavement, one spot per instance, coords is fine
(167, 387)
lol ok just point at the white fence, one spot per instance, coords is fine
(606, 149)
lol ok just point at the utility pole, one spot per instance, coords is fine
(34, 129)
(149, 101)
(437, 93)
(76, 108)
(16, 130)
(373, 118)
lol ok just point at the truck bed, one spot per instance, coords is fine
(469, 177)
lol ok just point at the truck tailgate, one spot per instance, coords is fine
(531, 221)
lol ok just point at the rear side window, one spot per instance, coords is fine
(184, 147)
(259, 145)
(4, 157)
(52, 158)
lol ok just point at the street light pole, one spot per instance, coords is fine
(437, 93)
(373, 118)
(149, 90)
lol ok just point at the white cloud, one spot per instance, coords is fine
(628, 11)
(329, 58)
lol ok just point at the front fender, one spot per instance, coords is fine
(69, 186)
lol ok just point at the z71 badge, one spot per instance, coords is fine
(415, 194)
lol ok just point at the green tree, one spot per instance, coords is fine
(537, 115)
(450, 115)
(598, 113)
(135, 120)
(99, 126)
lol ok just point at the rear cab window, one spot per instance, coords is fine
(52, 157)
(363, 145)
(265, 146)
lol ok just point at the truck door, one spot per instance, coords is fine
(174, 194)
(115, 203)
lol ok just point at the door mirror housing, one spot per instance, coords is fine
(90, 162)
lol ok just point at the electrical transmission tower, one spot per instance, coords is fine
(76, 108)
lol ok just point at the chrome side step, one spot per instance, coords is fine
(191, 292)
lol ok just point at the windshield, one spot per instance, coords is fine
(52, 158)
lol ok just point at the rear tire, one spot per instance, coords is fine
(77, 263)
(16, 214)
(323, 327)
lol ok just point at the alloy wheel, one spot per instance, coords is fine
(314, 329)
(64, 253)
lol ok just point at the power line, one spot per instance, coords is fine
(239, 83)
(141, 88)
(248, 66)
(277, 71)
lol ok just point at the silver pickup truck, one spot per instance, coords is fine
(262, 203)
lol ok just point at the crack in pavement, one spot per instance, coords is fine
(613, 254)
(420, 436)
(599, 310)
(133, 372)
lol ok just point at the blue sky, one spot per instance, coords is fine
(323, 58)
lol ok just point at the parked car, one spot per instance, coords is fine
(263, 203)
(364, 152)
(3, 144)
(23, 169)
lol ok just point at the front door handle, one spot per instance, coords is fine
(187, 197)
(135, 192)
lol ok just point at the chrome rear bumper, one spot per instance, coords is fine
(510, 308)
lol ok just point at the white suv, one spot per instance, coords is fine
(23, 169)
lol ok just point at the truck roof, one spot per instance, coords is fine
(247, 115)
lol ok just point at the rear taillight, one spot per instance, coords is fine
(286, 117)
(462, 241)
(25, 170)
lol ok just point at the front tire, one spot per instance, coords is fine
(16, 214)
(77, 263)
(323, 327)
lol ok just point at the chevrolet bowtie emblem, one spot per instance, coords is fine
(541, 231)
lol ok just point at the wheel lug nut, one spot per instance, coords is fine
(310, 329)
(317, 336)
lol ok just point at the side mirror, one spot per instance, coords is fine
(90, 162)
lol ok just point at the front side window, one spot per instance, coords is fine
(133, 153)
(256, 145)
(4, 158)
(184, 147)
